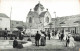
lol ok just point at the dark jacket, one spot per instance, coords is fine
(15, 43)
(37, 36)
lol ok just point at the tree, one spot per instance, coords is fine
(19, 28)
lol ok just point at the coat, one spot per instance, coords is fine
(37, 36)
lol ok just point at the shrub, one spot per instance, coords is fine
(76, 38)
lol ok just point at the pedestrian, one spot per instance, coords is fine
(67, 40)
(62, 36)
(49, 35)
(37, 38)
(5, 34)
(42, 39)
(21, 35)
(59, 36)
(15, 43)
(71, 43)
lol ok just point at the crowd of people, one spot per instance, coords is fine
(40, 37)
(66, 36)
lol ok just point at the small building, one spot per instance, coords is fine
(4, 22)
(15, 24)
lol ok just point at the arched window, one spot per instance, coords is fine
(30, 20)
(47, 19)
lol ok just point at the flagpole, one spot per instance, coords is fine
(10, 17)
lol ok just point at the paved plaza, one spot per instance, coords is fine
(51, 45)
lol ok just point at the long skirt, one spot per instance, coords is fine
(43, 41)
(71, 44)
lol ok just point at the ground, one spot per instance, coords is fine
(51, 45)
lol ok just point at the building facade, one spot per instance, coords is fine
(67, 23)
(37, 20)
(4, 22)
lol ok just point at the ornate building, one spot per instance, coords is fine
(37, 19)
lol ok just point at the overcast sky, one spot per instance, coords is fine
(20, 8)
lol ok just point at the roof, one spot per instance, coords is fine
(37, 6)
(33, 14)
(3, 15)
(42, 14)
(69, 21)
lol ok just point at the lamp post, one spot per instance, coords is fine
(55, 22)
(10, 17)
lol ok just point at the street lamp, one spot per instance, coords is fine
(55, 22)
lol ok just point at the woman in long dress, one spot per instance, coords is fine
(57, 35)
(42, 39)
(71, 43)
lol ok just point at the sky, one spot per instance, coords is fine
(20, 8)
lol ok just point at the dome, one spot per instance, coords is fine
(37, 6)
(3, 15)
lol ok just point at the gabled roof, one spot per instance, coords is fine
(3, 15)
(33, 14)
(42, 14)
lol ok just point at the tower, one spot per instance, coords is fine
(38, 8)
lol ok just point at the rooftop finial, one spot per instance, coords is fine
(39, 2)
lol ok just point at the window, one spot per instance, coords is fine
(30, 20)
(47, 19)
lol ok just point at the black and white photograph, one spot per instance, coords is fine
(39, 25)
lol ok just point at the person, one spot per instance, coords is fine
(55, 33)
(71, 43)
(62, 36)
(49, 35)
(42, 39)
(5, 34)
(37, 38)
(67, 40)
(21, 35)
(15, 43)
(59, 36)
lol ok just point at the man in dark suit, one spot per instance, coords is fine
(5, 34)
(37, 38)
